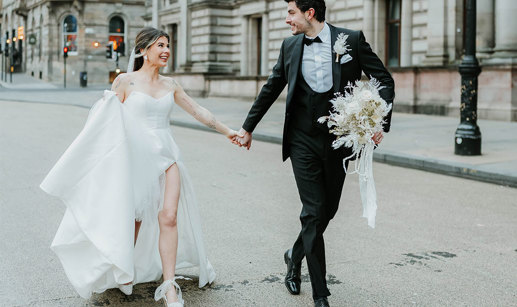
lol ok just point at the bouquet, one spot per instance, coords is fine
(355, 117)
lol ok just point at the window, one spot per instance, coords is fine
(32, 45)
(40, 37)
(259, 44)
(174, 47)
(117, 34)
(70, 34)
(393, 33)
(255, 46)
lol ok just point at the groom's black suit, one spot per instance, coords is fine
(318, 169)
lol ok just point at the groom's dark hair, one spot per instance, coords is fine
(318, 6)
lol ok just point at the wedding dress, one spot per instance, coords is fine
(111, 175)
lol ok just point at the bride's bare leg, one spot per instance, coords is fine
(168, 242)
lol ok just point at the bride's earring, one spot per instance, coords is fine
(145, 57)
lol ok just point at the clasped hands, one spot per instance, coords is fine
(242, 138)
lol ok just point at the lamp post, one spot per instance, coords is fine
(11, 58)
(468, 136)
(2, 54)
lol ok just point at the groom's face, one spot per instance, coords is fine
(298, 20)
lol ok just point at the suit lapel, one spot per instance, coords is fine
(296, 60)
(336, 66)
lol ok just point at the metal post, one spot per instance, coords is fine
(11, 60)
(64, 80)
(468, 135)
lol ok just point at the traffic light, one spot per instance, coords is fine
(65, 52)
(109, 51)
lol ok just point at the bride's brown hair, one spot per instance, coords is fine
(144, 39)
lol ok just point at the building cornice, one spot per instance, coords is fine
(127, 2)
(214, 4)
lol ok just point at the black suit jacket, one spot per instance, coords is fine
(288, 65)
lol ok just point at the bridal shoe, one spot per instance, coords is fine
(126, 289)
(165, 287)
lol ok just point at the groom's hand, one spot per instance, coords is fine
(245, 140)
(377, 138)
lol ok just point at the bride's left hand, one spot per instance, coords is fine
(233, 136)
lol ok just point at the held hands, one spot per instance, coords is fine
(232, 135)
(243, 139)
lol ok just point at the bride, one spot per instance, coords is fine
(131, 214)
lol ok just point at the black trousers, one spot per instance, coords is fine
(319, 174)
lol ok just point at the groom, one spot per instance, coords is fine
(307, 64)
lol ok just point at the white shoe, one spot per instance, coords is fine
(126, 289)
(165, 287)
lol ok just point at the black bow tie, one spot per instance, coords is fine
(308, 41)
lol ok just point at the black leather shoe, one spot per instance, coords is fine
(321, 302)
(293, 276)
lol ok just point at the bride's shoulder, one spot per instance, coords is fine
(122, 83)
(170, 83)
(121, 80)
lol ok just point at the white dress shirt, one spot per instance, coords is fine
(317, 62)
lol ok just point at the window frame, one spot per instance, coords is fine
(390, 22)
(123, 34)
(64, 34)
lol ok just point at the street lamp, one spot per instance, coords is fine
(468, 136)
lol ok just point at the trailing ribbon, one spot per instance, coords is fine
(364, 168)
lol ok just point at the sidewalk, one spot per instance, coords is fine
(24, 81)
(417, 141)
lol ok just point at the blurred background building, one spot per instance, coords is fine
(228, 47)
(38, 30)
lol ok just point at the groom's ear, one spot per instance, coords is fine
(309, 14)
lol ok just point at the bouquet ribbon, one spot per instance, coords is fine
(364, 167)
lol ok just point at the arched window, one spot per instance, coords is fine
(117, 34)
(70, 34)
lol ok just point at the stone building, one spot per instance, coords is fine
(228, 47)
(43, 28)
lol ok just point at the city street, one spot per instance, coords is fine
(438, 241)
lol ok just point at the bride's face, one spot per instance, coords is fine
(159, 52)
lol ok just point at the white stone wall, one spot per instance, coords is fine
(419, 31)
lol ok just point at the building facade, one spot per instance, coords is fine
(38, 30)
(228, 47)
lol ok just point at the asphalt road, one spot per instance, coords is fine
(439, 240)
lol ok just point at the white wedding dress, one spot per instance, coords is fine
(110, 176)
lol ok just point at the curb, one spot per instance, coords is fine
(397, 159)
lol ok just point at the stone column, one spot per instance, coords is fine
(184, 47)
(505, 25)
(485, 35)
(154, 20)
(265, 46)
(406, 33)
(244, 45)
(436, 29)
(378, 41)
(369, 22)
